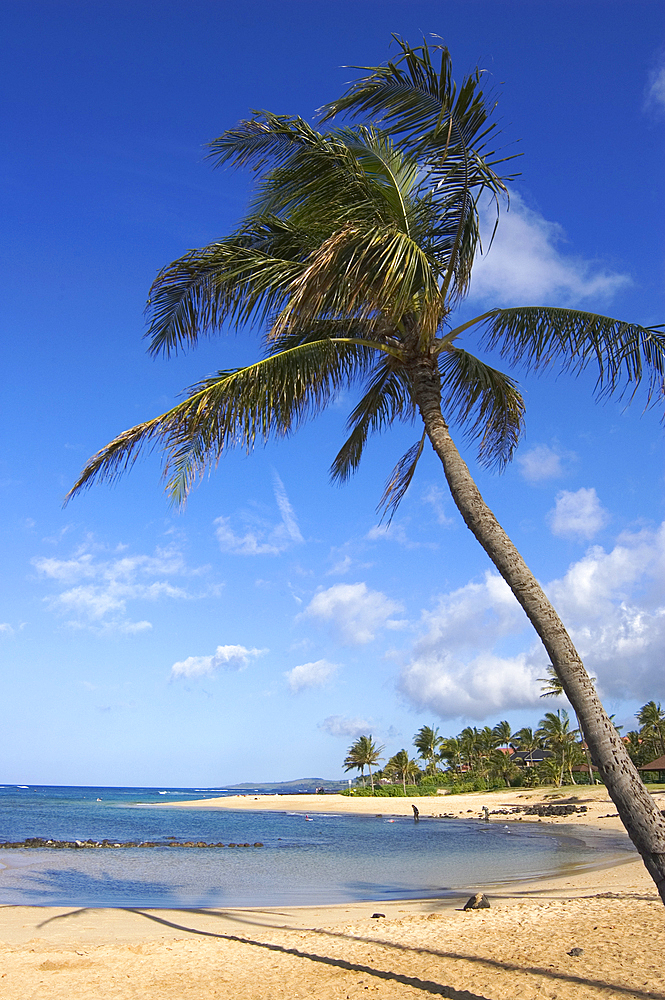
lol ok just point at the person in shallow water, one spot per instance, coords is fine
(416, 813)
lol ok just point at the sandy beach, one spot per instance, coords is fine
(518, 948)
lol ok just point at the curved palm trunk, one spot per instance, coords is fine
(637, 809)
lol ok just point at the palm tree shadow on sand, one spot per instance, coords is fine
(426, 986)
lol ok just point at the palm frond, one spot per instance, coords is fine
(399, 480)
(233, 409)
(361, 272)
(194, 295)
(447, 129)
(484, 402)
(389, 171)
(266, 139)
(376, 333)
(352, 174)
(386, 399)
(624, 354)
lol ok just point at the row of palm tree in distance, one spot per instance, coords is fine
(489, 754)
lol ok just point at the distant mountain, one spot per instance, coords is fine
(300, 785)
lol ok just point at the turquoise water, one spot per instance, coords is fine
(332, 859)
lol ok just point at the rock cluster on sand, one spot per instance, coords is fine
(544, 809)
(42, 843)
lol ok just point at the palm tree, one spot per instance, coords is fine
(451, 751)
(428, 742)
(402, 768)
(356, 251)
(503, 733)
(554, 689)
(526, 739)
(487, 742)
(469, 751)
(652, 725)
(501, 766)
(557, 736)
(363, 753)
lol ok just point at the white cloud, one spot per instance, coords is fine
(309, 675)
(288, 515)
(483, 685)
(578, 515)
(540, 463)
(339, 725)
(613, 604)
(355, 612)
(261, 538)
(342, 566)
(656, 89)
(224, 658)
(388, 533)
(98, 586)
(454, 669)
(6, 628)
(525, 265)
(435, 497)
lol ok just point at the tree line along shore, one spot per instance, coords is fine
(554, 753)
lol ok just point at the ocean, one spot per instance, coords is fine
(329, 859)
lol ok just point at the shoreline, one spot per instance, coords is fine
(599, 810)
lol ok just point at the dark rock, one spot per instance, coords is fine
(477, 902)
(375, 916)
(552, 809)
(576, 951)
(39, 842)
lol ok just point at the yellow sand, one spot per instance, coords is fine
(517, 949)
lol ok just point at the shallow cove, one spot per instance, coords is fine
(330, 858)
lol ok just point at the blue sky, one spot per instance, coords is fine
(253, 635)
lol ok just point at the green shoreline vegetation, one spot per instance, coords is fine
(487, 759)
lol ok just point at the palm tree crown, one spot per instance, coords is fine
(651, 718)
(363, 753)
(357, 247)
(428, 744)
(402, 767)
